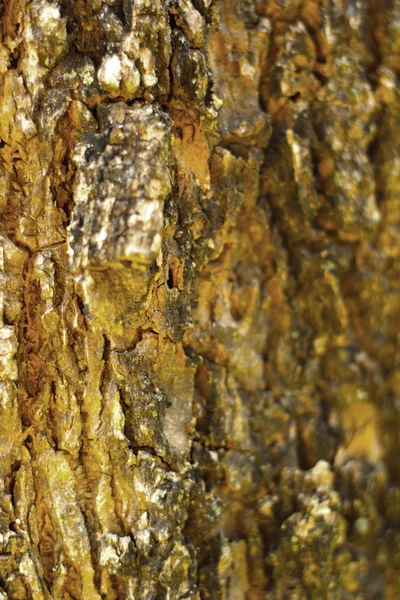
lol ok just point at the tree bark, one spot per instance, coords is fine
(200, 310)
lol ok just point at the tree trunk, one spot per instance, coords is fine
(200, 301)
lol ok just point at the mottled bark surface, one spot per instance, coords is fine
(200, 299)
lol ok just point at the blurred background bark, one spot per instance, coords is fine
(200, 299)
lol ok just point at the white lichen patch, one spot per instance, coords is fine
(192, 22)
(109, 73)
(148, 71)
(115, 552)
(50, 31)
(119, 215)
(118, 75)
(8, 349)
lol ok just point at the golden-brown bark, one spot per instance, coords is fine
(200, 311)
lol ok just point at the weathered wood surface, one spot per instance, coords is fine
(200, 299)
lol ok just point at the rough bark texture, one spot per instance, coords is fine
(200, 299)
